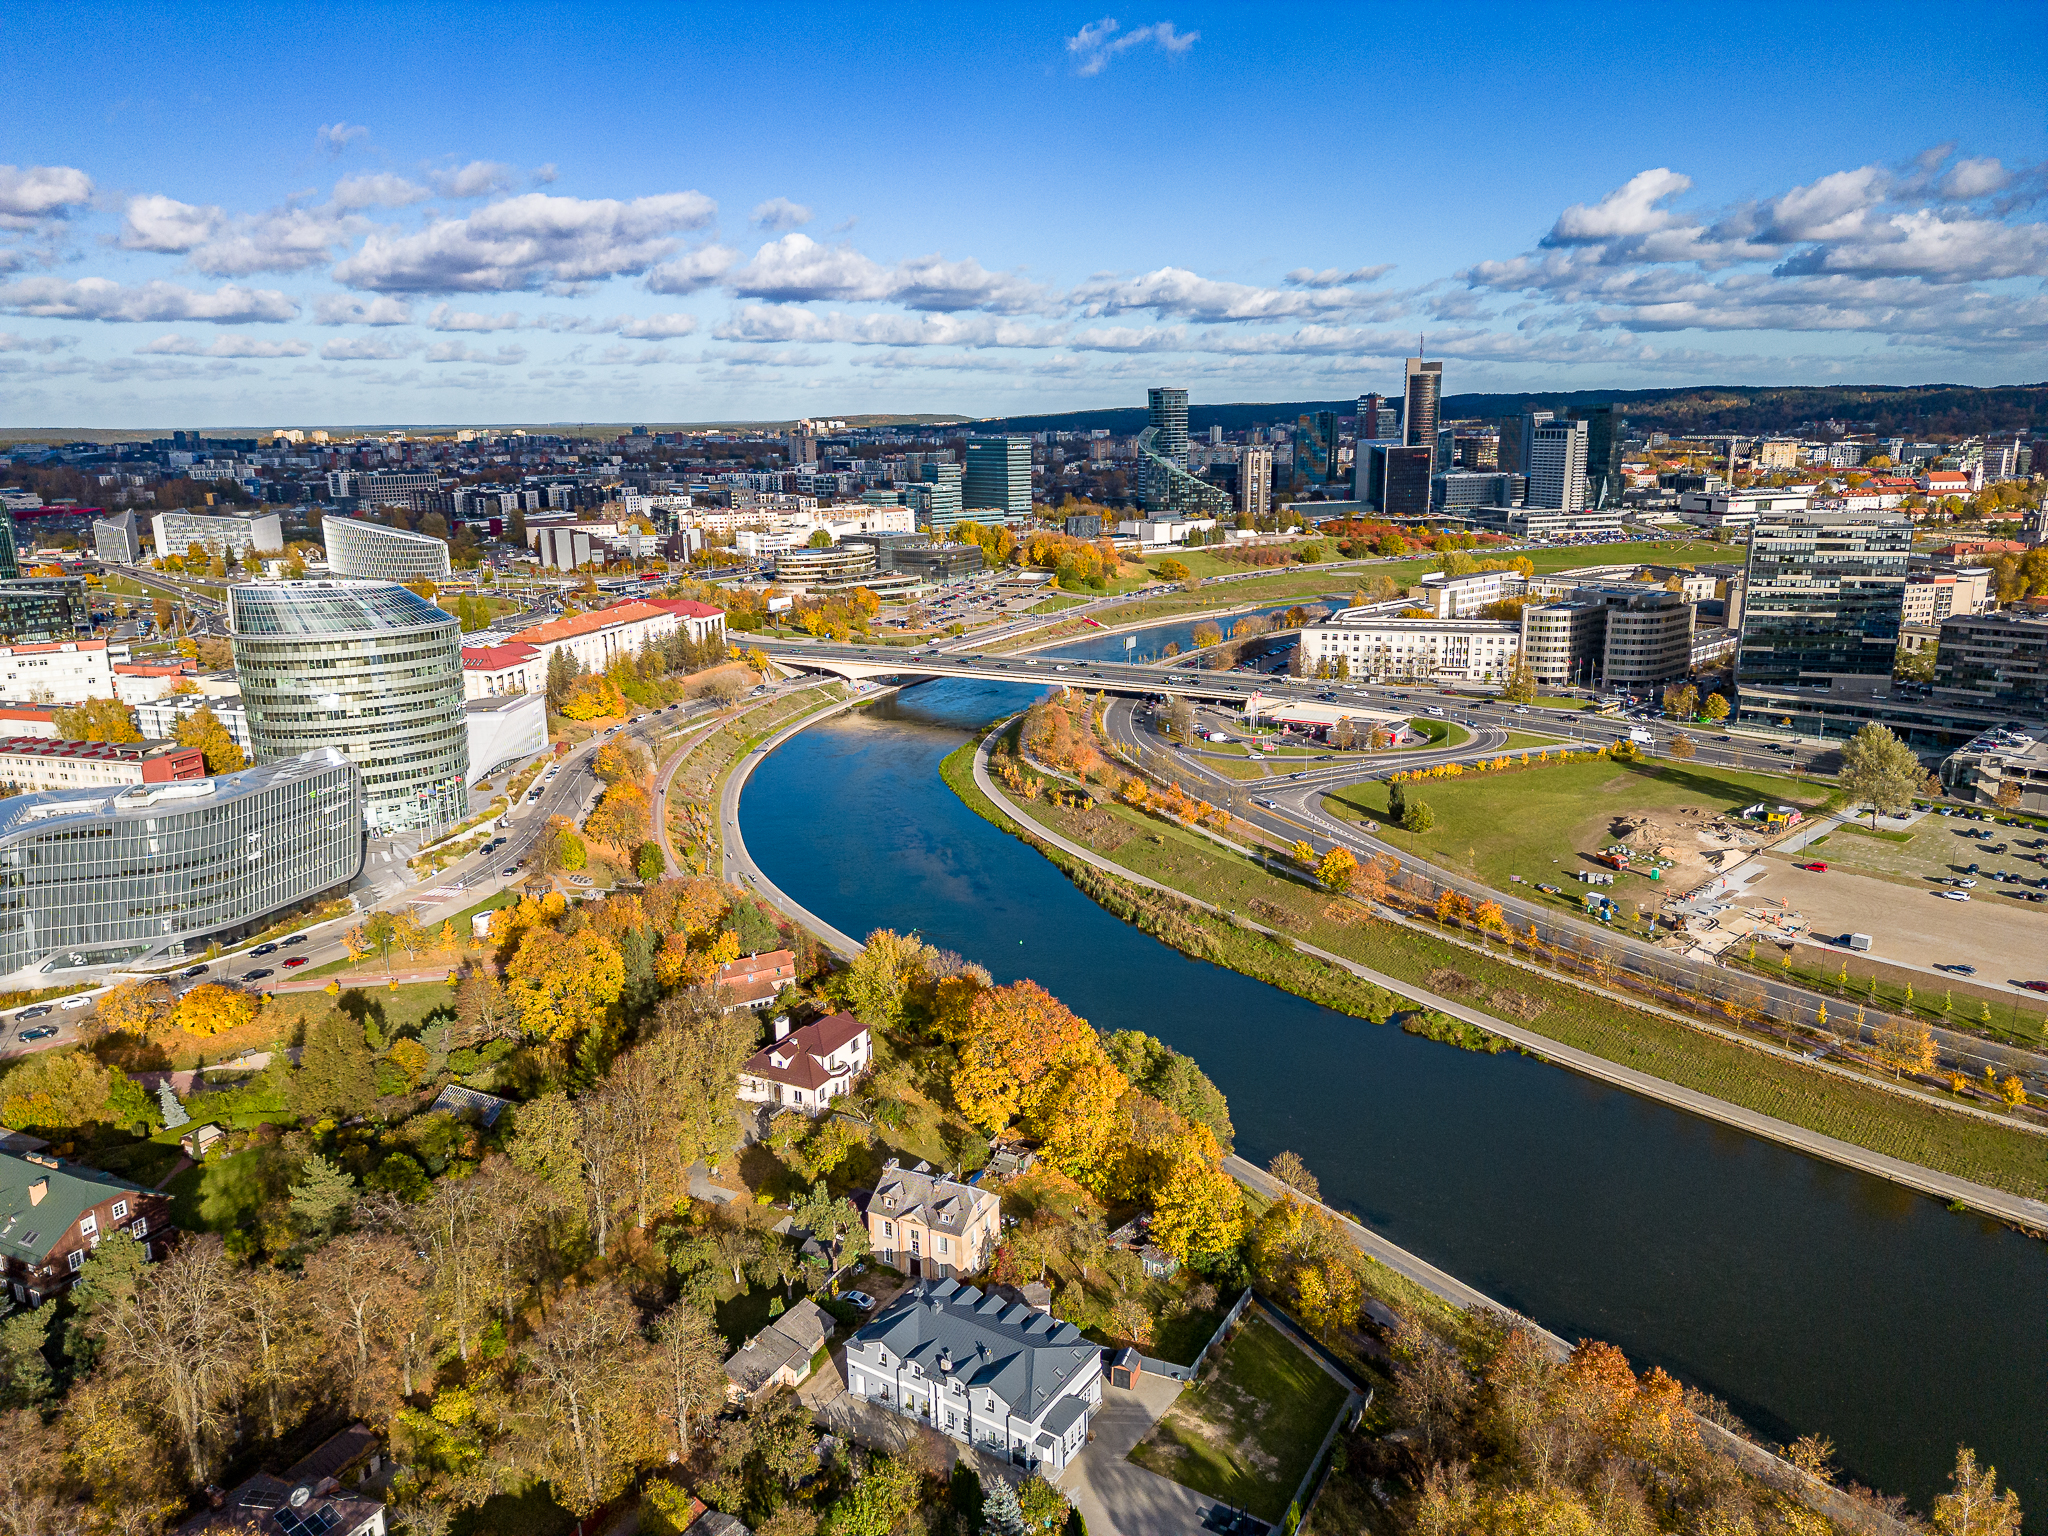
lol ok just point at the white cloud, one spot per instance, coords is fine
(287, 239)
(12, 342)
(479, 178)
(463, 352)
(368, 349)
(335, 137)
(379, 189)
(1096, 44)
(154, 222)
(779, 213)
(1336, 277)
(525, 240)
(226, 346)
(930, 282)
(445, 318)
(1630, 209)
(33, 194)
(797, 269)
(1177, 292)
(100, 298)
(544, 175)
(1968, 180)
(653, 327)
(347, 309)
(692, 270)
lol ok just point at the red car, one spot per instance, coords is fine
(1816, 867)
(2035, 986)
(295, 962)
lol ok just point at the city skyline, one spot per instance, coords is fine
(264, 219)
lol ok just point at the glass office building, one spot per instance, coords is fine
(372, 550)
(39, 610)
(367, 668)
(91, 878)
(998, 477)
(1824, 598)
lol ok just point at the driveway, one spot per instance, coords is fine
(1118, 1497)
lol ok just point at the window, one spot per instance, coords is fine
(140, 1228)
(76, 1259)
(88, 1224)
(888, 1229)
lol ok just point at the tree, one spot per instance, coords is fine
(1907, 1045)
(136, 1008)
(1681, 701)
(1682, 747)
(24, 1372)
(561, 984)
(1019, 1033)
(686, 1371)
(203, 729)
(67, 1090)
(322, 1197)
(584, 1361)
(1416, 816)
(337, 1076)
(1289, 1169)
(1973, 1506)
(1338, 868)
(1171, 569)
(570, 852)
(881, 975)
(1880, 771)
(97, 720)
(482, 1011)
(1001, 1512)
(1521, 683)
(211, 1009)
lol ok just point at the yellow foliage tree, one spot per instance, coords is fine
(561, 984)
(1339, 867)
(212, 1010)
(1019, 1033)
(136, 1007)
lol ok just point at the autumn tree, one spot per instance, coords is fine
(97, 720)
(210, 1009)
(68, 1090)
(136, 1007)
(561, 984)
(482, 1011)
(1020, 1032)
(1337, 869)
(1880, 771)
(1290, 1170)
(584, 1363)
(203, 729)
(685, 1372)
(1973, 1506)
(1907, 1045)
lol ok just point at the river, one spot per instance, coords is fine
(1811, 1298)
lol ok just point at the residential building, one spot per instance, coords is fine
(1413, 650)
(1461, 597)
(926, 1223)
(43, 608)
(367, 668)
(998, 477)
(313, 1497)
(32, 763)
(61, 672)
(504, 731)
(116, 540)
(1824, 597)
(155, 872)
(1394, 480)
(158, 718)
(494, 671)
(780, 1354)
(1932, 596)
(1005, 1378)
(1557, 466)
(380, 553)
(1716, 510)
(218, 533)
(755, 981)
(1422, 388)
(1255, 483)
(53, 1214)
(807, 1068)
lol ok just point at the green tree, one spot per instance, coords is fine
(1521, 684)
(1880, 771)
(649, 861)
(820, 539)
(1416, 816)
(337, 1074)
(323, 1197)
(24, 1369)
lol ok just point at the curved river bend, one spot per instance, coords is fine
(1811, 1298)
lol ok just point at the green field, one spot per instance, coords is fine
(1537, 822)
(1249, 1430)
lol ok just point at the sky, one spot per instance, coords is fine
(233, 215)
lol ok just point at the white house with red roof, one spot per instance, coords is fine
(808, 1068)
(495, 671)
(701, 620)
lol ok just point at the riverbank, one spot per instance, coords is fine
(1179, 885)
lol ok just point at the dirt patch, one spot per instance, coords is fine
(1102, 829)
(1503, 1000)
(1276, 916)
(1693, 841)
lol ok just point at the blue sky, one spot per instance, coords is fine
(228, 215)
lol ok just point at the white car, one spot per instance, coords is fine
(76, 1002)
(859, 1299)
(1953, 895)
(1521, 709)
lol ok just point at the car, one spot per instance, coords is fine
(1953, 895)
(34, 1013)
(258, 974)
(510, 872)
(1816, 867)
(1958, 970)
(2035, 986)
(45, 1032)
(295, 962)
(1549, 889)
(859, 1299)
(70, 1003)
(297, 938)
(1520, 709)
(264, 949)
(192, 970)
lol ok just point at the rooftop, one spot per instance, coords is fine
(576, 625)
(22, 812)
(330, 608)
(31, 1223)
(1026, 1357)
(87, 751)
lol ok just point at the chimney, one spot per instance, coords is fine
(781, 1025)
(37, 1190)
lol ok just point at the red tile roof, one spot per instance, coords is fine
(495, 658)
(684, 608)
(577, 624)
(805, 1049)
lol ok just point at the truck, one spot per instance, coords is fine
(1640, 735)
(1859, 941)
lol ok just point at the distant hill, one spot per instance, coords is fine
(1914, 409)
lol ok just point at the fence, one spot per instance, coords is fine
(1188, 1372)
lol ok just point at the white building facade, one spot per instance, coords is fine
(1413, 650)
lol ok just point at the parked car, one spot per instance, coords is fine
(1953, 895)
(43, 1032)
(1816, 866)
(36, 1012)
(859, 1299)
(1958, 970)
(295, 962)
(2035, 986)
(192, 970)
(71, 1003)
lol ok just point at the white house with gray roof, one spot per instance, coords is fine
(1005, 1378)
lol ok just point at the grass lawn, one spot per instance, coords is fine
(532, 1512)
(1525, 741)
(226, 1193)
(741, 1317)
(1247, 1433)
(1537, 822)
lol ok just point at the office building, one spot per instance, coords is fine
(1394, 480)
(1478, 452)
(1421, 393)
(1413, 650)
(1716, 510)
(10, 561)
(155, 872)
(1824, 596)
(1548, 523)
(218, 533)
(58, 671)
(1932, 596)
(1379, 419)
(936, 563)
(836, 565)
(504, 731)
(625, 628)
(1649, 637)
(1557, 466)
(937, 498)
(1525, 442)
(369, 669)
(1255, 483)
(1082, 525)
(1462, 597)
(1461, 488)
(1994, 661)
(32, 763)
(1315, 447)
(378, 553)
(1164, 483)
(1604, 430)
(116, 540)
(1562, 641)
(998, 477)
(1166, 414)
(44, 609)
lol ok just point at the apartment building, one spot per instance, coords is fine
(925, 1223)
(31, 763)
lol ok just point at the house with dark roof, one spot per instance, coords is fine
(311, 1497)
(808, 1068)
(780, 1355)
(1002, 1377)
(53, 1214)
(925, 1223)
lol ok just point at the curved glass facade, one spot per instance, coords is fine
(90, 879)
(387, 554)
(369, 669)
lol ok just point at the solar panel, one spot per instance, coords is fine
(292, 1522)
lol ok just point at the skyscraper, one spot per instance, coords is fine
(1164, 483)
(998, 477)
(1315, 447)
(10, 562)
(1255, 483)
(1394, 480)
(1603, 454)
(937, 495)
(1525, 444)
(1824, 597)
(1167, 411)
(1557, 466)
(1379, 419)
(1421, 393)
